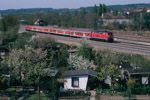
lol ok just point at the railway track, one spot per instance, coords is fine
(125, 44)
(133, 38)
(118, 46)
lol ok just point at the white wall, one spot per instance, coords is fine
(83, 79)
(148, 11)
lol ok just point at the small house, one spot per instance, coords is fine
(38, 22)
(141, 75)
(128, 12)
(148, 10)
(79, 79)
(4, 51)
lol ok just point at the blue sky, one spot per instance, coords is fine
(17, 4)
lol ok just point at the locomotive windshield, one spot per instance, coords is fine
(100, 32)
(109, 33)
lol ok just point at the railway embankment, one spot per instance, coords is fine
(132, 41)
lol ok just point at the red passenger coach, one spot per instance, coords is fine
(102, 35)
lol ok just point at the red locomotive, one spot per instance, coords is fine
(102, 35)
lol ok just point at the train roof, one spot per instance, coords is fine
(70, 29)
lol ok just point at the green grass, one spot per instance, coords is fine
(38, 97)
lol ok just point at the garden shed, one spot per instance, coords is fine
(79, 79)
(4, 51)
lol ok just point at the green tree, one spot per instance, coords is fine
(136, 22)
(100, 11)
(31, 63)
(86, 51)
(22, 40)
(104, 8)
(9, 28)
(34, 63)
(145, 20)
(8, 23)
(108, 71)
(83, 12)
(3, 68)
(130, 84)
(115, 13)
(8, 37)
(76, 12)
(3, 27)
(57, 54)
(95, 9)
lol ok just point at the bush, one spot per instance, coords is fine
(73, 93)
(22, 40)
(97, 96)
(108, 91)
(8, 23)
(38, 97)
(139, 91)
(148, 90)
(124, 94)
(119, 89)
(9, 92)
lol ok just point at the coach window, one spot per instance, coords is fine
(79, 33)
(67, 32)
(59, 31)
(72, 33)
(75, 81)
(46, 29)
(87, 33)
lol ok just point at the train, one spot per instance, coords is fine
(96, 35)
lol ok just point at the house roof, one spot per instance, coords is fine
(111, 16)
(148, 9)
(3, 47)
(80, 72)
(134, 71)
(134, 11)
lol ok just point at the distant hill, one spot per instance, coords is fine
(129, 6)
(31, 10)
(88, 9)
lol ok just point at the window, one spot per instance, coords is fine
(34, 28)
(75, 81)
(2, 52)
(45, 29)
(109, 33)
(78, 33)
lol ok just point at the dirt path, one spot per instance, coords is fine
(93, 93)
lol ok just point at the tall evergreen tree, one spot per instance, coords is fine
(3, 26)
(145, 20)
(95, 9)
(83, 11)
(104, 9)
(100, 10)
(76, 12)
